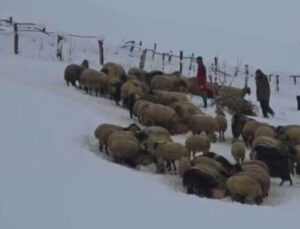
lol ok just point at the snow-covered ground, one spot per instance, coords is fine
(51, 173)
(52, 177)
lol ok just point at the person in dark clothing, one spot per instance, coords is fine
(201, 79)
(263, 93)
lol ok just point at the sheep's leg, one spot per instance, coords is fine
(291, 181)
(174, 165)
(96, 91)
(190, 189)
(100, 147)
(106, 149)
(282, 181)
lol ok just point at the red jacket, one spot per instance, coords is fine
(201, 76)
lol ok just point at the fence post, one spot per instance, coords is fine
(10, 20)
(180, 61)
(216, 69)
(16, 39)
(132, 47)
(246, 75)
(163, 61)
(170, 56)
(140, 44)
(277, 82)
(154, 51)
(59, 47)
(143, 59)
(101, 52)
(295, 80)
(270, 77)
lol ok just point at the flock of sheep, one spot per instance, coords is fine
(159, 101)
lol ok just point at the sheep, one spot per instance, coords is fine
(259, 163)
(203, 181)
(131, 87)
(168, 83)
(233, 91)
(173, 96)
(265, 131)
(103, 132)
(238, 121)
(144, 158)
(114, 70)
(185, 110)
(212, 89)
(73, 71)
(291, 136)
(91, 80)
(183, 165)
(139, 109)
(222, 124)
(248, 131)
(203, 160)
(123, 147)
(156, 131)
(266, 141)
(208, 124)
(226, 164)
(168, 152)
(244, 188)
(139, 74)
(114, 89)
(260, 174)
(238, 151)
(278, 161)
(156, 114)
(197, 143)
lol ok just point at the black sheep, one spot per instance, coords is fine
(277, 161)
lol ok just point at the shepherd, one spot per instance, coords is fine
(201, 79)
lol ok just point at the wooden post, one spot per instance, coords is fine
(270, 77)
(16, 39)
(216, 69)
(101, 52)
(154, 51)
(191, 63)
(140, 44)
(277, 82)
(295, 80)
(170, 56)
(163, 61)
(132, 47)
(10, 20)
(180, 61)
(59, 47)
(246, 74)
(143, 59)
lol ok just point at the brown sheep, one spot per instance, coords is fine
(168, 152)
(183, 165)
(168, 83)
(244, 189)
(238, 151)
(173, 96)
(197, 143)
(156, 114)
(203, 160)
(114, 70)
(73, 72)
(131, 87)
(222, 125)
(185, 110)
(208, 124)
(103, 132)
(123, 147)
(93, 80)
(265, 131)
(233, 91)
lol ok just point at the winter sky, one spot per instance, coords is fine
(254, 30)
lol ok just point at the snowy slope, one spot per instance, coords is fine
(52, 178)
(51, 173)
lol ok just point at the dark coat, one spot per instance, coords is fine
(201, 76)
(262, 88)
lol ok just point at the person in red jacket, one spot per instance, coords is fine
(201, 79)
